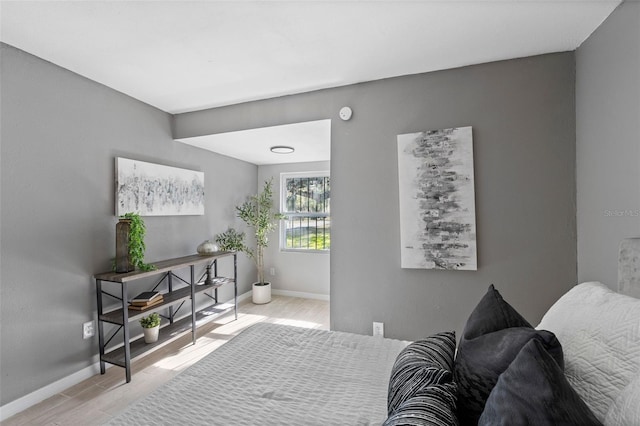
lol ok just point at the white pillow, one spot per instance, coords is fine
(599, 330)
(625, 410)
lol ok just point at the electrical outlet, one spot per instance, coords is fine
(378, 329)
(88, 329)
(272, 271)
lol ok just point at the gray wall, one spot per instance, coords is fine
(523, 117)
(608, 142)
(298, 272)
(60, 135)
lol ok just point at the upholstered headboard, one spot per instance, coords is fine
(629, 267)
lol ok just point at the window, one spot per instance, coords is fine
(305, 201)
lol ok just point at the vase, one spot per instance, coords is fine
(123, 262)
(151, 334)
(207, 247)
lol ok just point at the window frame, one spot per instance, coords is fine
(283, 228)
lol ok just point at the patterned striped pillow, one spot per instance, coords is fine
(421, 364)
(434, 405)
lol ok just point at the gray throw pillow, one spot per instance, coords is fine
(493, 336)
(534, 391)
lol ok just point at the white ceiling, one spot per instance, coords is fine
(312, 142)
(188, 55)
(182, 56)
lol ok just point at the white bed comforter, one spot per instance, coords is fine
(277, 375)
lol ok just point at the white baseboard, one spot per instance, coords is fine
(27, 401)
(243, 296)
(300, 294)
(48, 391)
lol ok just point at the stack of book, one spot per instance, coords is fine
(146, 300)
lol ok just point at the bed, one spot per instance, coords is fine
(281, 375)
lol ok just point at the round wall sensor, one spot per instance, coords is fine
(345, 113)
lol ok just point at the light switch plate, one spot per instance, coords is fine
(378, 329)
(88, 329)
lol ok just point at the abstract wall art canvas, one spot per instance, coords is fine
(156, 190)
(437, 199)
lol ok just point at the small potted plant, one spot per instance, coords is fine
(151, 327)
(231, 240)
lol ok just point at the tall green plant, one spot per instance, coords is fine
(258, 213)
(137, 246)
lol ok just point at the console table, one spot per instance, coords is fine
(176, 292)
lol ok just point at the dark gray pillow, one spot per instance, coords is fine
(534, 391)
(434, 405)
(421, 364)
(493, 336)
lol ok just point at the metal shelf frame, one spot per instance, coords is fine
(123, 315)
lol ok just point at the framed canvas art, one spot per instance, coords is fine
(156, 190)
(437, 199)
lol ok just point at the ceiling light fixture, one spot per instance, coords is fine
(281, 149)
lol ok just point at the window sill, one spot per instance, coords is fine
(305, 251)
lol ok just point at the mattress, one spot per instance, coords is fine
(277, 375)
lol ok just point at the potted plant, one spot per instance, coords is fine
(231, 240)
(151, 327)
(130, 246)
(258, 213)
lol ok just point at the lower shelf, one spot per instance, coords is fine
(168, 334)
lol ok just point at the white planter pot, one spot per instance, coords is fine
(261, 293)
(151, 334)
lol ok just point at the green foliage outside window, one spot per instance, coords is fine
(307, 207)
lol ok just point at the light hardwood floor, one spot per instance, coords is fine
(97, 399)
